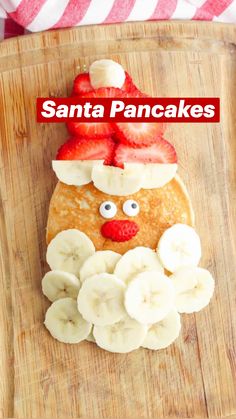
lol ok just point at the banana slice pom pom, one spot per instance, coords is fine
(106, 73)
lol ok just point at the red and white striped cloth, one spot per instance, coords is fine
(20, 16)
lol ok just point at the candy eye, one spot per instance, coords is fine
(131, 208)
(108, 209)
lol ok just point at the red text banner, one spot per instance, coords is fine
(128, 109)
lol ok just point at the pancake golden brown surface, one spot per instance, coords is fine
(78, 207)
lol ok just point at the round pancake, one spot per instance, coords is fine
(78, 207)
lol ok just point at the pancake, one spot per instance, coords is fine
(78, 207)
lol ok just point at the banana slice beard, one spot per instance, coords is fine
(163, 333)
(136, 261)
(68, 251)
(149, 297)
(194, 289)
(90, 337)
(101, 299)
(65, 323)
(101, 262)
(59, 284)
(122, 337)
(179, 246)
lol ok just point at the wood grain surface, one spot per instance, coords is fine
(41, 378)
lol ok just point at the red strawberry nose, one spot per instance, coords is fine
(119, 230)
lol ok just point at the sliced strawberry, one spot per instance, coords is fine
(91, 129)
(128, 85)
(82, 149)
(82, 87)
(82, 84)
(138, 134)
(160, 152)
(104, 92)
(95, 129)
(135, 93)
(130, 88)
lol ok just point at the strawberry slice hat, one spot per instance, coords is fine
(119, 158)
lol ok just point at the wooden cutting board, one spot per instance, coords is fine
(41, 378)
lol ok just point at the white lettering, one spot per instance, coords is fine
(209, 111)
(87, 108)
(170, 111)
(130, 111)
(155, 112)
(98, 111)
(74, 108)
(183, 110)
(142, 108)
(48, 106)
(62, 111)
(196, 111)
(116, 106)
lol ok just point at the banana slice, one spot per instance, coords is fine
(179, 246)
(136, 261)
(115, 181)
(194, 288)
(68, 251)
(101, 262)
(100, 299)
(149, 297)
(106, 73)
(59, 284)
(65, 323)
(122, 337)
(163, 333)
(75, 172)
(90, 337)
(157, 175)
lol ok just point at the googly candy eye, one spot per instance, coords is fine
(108, 209)
(131, 208)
